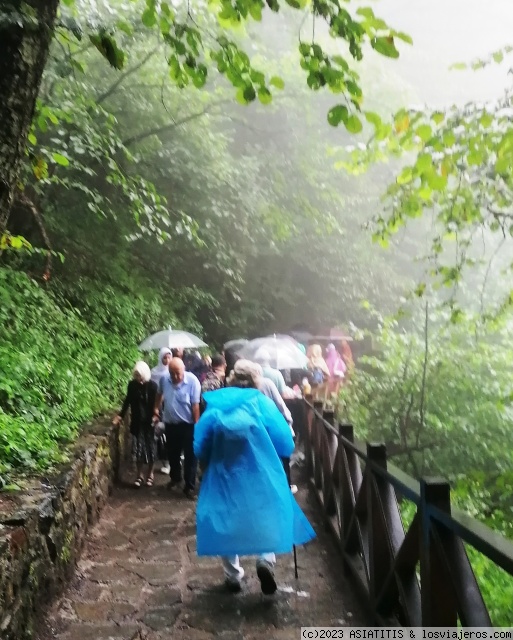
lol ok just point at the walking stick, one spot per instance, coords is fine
(295, 561)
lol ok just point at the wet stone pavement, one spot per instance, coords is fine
(140, 578)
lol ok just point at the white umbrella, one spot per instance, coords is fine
(172, 339)
(235, 344)
(284, 354)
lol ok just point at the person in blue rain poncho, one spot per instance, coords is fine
(245, 505)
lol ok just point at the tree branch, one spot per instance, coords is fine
(125, 75)
(171, 125)
(394, 449)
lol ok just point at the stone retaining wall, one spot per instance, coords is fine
(43, 527)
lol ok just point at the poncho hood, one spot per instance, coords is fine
(229, 397)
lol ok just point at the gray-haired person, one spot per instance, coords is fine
(245, 368)
(140, 397)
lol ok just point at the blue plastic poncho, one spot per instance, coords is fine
(245, 505)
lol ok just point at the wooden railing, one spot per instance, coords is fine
(418, 577)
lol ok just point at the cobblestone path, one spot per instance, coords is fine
(140, 578)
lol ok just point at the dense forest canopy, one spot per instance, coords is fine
(240, 169)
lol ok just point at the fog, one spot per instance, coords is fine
(445, 32)
(279, 222)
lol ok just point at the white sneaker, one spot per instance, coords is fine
(293, 488)
(165, 469)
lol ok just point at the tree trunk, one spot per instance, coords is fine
(26, 30)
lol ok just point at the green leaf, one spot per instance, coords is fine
(255, 10)
(404, 37)
(436, 181)
(341, 62)
(486, 120)
(475, 158)
(60, 159)
(366, 12)
(249, 93)
(107, 46)
(373, 118)
(353, 88)
(504, 165)
(264, 95)
(424, 163)
(420, 289)
(438, 117)
(385, 46)
(277, 82)
(32, 139)
(338, 114)
(126, 27)
(149, 18)
(424, 132)
(304, 49)
(405, 176)
(353, 124)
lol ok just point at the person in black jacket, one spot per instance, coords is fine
(140, 397)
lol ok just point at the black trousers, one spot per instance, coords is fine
(286, 466)
(180, 438)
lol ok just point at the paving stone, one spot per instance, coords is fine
(88, 590)
(189, 531)
(103, 632)
(214, 617)
(275, 634)
(154, 574)
(162, 618)
(164, 597)
(125, 592)
(161, 553)
(204, 577)
(140, 579)
(185, 633)
(102, 611)
(109, 573)
(157, 536)
(115, 539)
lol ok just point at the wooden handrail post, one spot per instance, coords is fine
(437, 598)
(346, 431)
(307, 442)
(329, 416)
(318, 405)
(379, 564)
(315, 443)
(377, 453)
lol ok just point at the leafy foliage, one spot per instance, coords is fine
(458, 172)
(61, 365)
(442, 405)
(201, 36)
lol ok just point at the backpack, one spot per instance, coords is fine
(317, 375)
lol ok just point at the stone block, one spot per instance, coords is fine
(43, 527)
(162, 618)
(153, 574)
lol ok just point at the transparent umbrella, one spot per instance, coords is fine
(235, 345)
(281, 352)
(172, 339)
